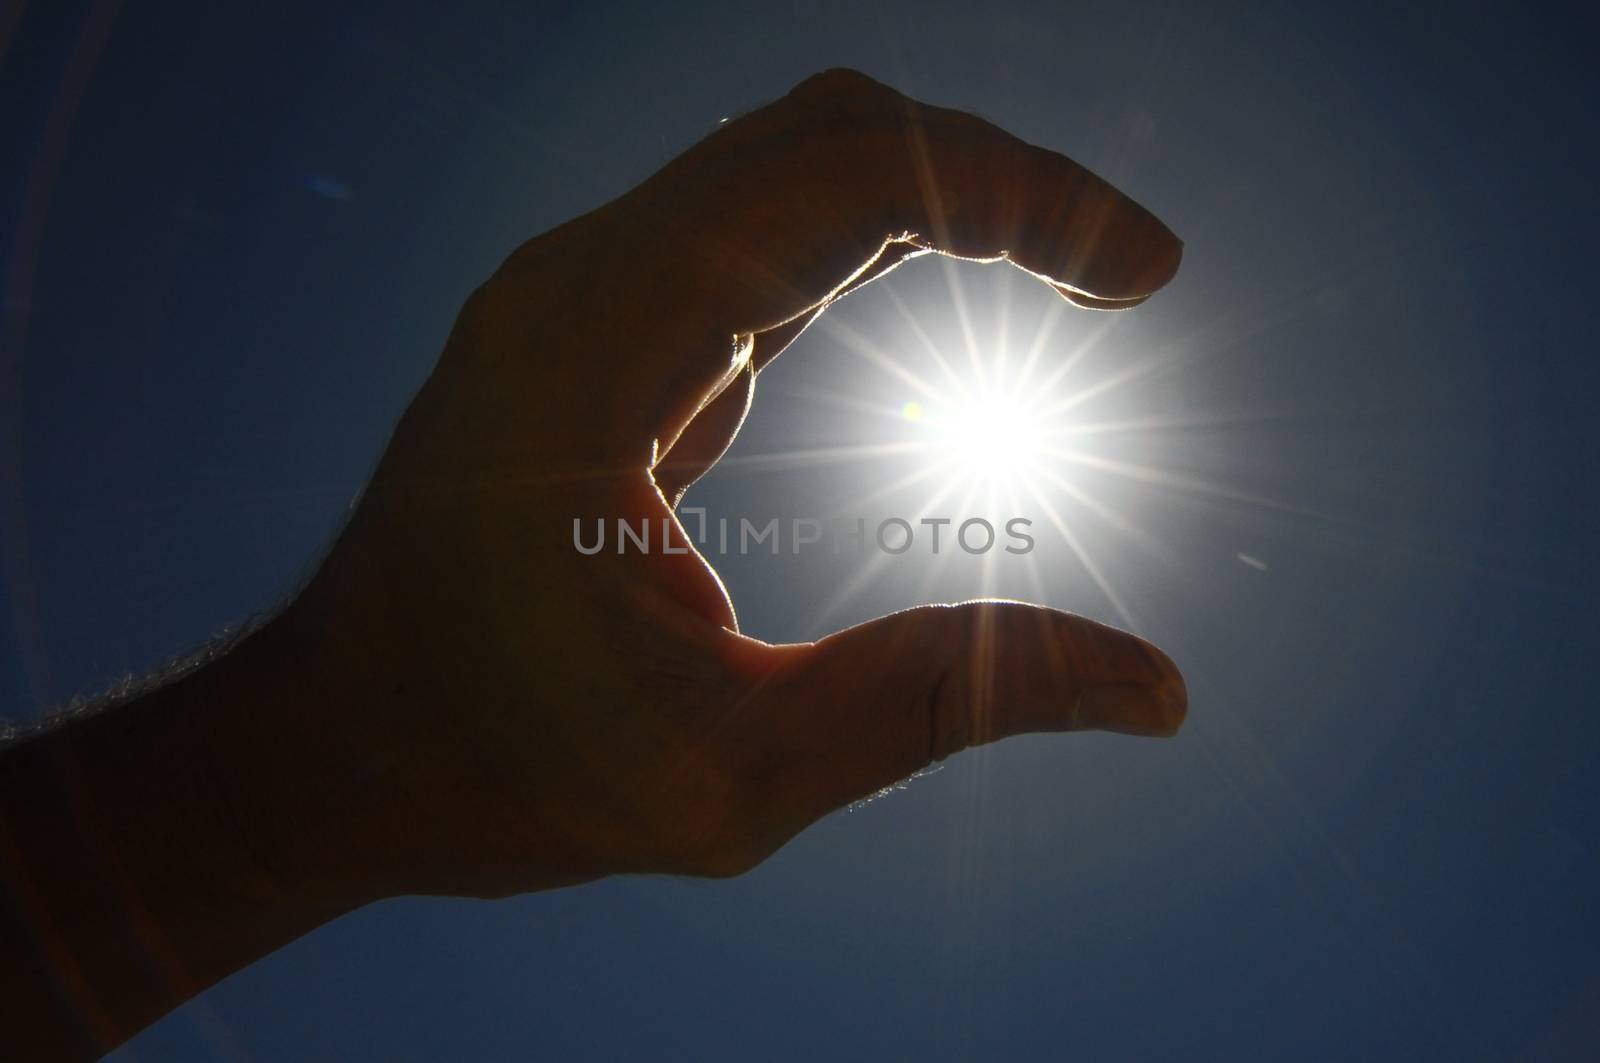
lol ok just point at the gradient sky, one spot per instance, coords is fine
(236, 236)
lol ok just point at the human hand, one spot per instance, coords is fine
(474, 708)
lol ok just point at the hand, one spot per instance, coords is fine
(504, 713)
(461, 703)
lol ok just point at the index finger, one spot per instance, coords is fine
(798, 195)
(770, 216)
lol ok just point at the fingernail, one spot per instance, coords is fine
(1153, 709)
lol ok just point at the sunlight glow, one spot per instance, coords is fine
(1014, 412)
(990, 438)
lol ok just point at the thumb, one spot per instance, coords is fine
(866, 707)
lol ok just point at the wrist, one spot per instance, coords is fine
(132, 879)
(288, 777)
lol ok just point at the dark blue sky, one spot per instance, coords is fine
(236, 237)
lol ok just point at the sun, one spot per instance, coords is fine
(1012, 413)
(994, 437)
(988, 437)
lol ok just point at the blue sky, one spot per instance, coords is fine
(237, 238)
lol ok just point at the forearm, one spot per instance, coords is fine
(129, 881)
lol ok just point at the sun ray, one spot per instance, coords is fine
(854, 404)
(799, 458)
(1002, 330)
(864, 576)
(893, 487)
(988, 581)
(958, 300)
(1035, 579)
(1198, 422)
(1084, 559)
(1149, 367)
(1041, 337)
(914, 327)
(1155, 476)
(1111, 517)
(860, 345)
(936, 569)
(1076, 355)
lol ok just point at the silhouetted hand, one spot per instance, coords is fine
(461, 703)
(511, 714)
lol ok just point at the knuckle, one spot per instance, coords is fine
(479, 316)
(717, 839)
(724, 816)
(724, 862)
(949, 714)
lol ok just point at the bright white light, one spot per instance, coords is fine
(992, 438)
(1006, 415)
(987, 437)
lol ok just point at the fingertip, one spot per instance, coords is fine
(1167, 257)
(705, 439)
(1169, 705)
(1149, 710)
(1125, 684)
(1076, 231)
(1088, 302)
(1131, 256)
(1168, 694)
